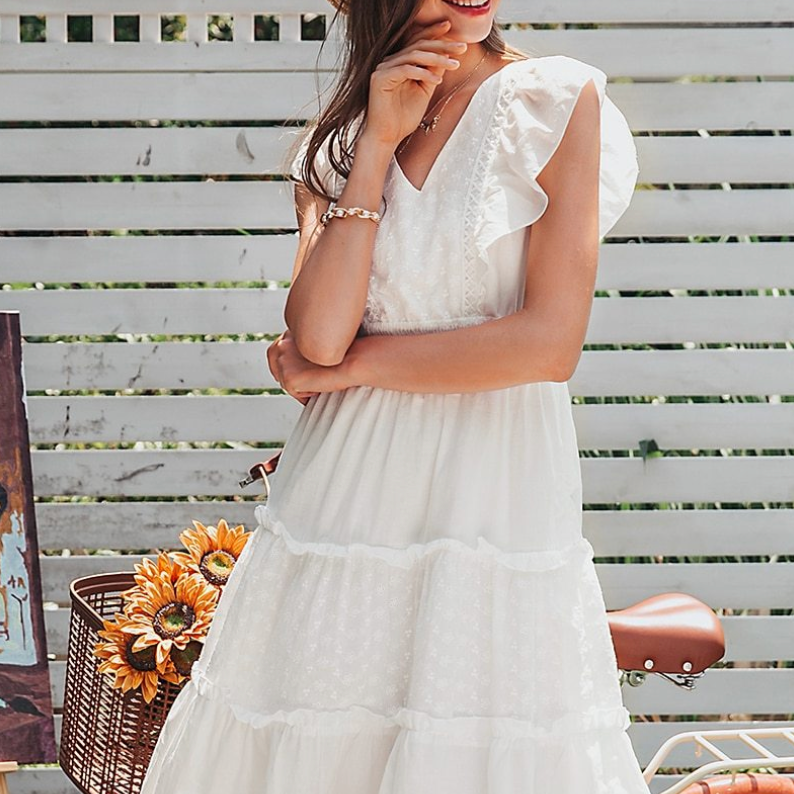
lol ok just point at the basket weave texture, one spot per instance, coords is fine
(107, 736)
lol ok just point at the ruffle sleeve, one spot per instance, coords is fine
(328, 176)
(530, 120)
(333, 181)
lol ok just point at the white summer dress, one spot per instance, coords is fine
(417, 611)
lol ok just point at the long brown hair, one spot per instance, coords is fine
(374, 30)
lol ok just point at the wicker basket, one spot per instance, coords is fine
(107, 737)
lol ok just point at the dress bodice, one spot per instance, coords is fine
(454, 252)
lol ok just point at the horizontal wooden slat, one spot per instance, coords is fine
(745, 585)
(662, 53)
(239, 311)
(244, 96)
(84, 419)
(148, 151)
(652, 53)
(161, 311)
(509, 10)
(768, 691)
(686, 426)
(144, 525)
(217, 472)
(677, 107)
(229, 258)
(147, 258)
(242, 365)
(263, 150)
(758, 637)
(680, 533)
(270, 418)
(147, 57)
(613, 533)
(122, 97)
(708, 372)
(171, 365)
(248, 204)
(669, 266)
(696, 160)
(245, 204)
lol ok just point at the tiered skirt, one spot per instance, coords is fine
(437, 668)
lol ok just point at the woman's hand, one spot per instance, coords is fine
(402, 84)
(299, 377)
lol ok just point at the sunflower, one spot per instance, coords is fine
(146, 570)
(212, 552)
(131, 669)
(165, 616)
(169, 614)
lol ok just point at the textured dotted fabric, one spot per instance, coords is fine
(417, 611)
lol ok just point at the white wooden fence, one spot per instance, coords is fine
(124, 361)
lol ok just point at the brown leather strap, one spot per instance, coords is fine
(259, 470)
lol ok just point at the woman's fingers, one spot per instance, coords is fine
(427, 58)
(412, 72)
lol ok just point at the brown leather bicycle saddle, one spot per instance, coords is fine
(667, 633)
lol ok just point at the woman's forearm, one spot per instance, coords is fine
(507, 351)
(326, 301)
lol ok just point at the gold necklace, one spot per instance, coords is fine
(430, 126)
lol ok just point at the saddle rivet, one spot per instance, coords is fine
(648, 664)
(687, 666)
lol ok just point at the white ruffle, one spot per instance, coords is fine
(332, 181)
(531, 117)
(409, 556)
(464, 730)
(328, 176)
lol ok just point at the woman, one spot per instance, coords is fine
(418, 611)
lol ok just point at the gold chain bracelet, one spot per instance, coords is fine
(342, 212)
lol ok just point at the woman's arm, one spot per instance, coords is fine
(543, 340)
(328, 294)
(495, 354)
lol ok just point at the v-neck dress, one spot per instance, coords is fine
(417, 610)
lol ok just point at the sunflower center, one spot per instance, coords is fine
(183, 658)
(216, 566)
(143, 660)
(172, 619)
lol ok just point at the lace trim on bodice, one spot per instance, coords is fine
(475, 267)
